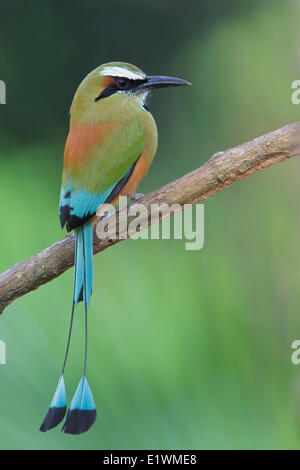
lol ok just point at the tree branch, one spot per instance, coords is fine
(222, 170)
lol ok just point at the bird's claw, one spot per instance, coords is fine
(135, 197)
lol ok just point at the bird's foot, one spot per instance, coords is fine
(135, 197)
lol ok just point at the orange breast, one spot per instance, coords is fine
(82, 138)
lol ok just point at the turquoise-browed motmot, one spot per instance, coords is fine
(111, 144)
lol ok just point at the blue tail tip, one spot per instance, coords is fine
(57, 409)
(82, 413)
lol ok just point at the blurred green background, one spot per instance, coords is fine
(187, 350)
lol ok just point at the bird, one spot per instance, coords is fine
(111, 144)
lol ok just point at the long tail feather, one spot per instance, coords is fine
(57, 409)
(82, 412)
(58, 406)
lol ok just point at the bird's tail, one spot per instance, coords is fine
(83, 282)
(82, 412)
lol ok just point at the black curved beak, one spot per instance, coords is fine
(158, 81)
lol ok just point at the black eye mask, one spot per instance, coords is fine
(120, 84)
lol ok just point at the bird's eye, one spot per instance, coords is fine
(122, 83)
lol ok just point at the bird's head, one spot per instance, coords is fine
(113, 88)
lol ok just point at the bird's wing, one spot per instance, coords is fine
(99, 158)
